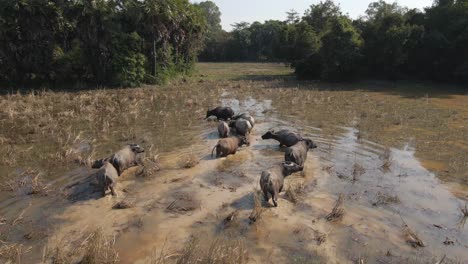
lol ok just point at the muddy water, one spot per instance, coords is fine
(287, 233)
(178, 203)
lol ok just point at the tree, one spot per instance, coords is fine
(28, 30)
(387, 38)
(292, 17)
(104, 42)
(240, 42)
(213, 18)
(216, 38)
(341, 51)
(320, 15)
(389, 41)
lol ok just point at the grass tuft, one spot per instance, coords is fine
(59, 256)
(29, 183)
(124, 204)
(224, 250)
(383, 199)
(257, 209)
(358, 170)
(295, 191)
(337, 212)
(12, 253)
(189, 161)
(411, 237)
(464, 210)
(387, 161)
(230, 219)
(99, 250)
(464, 216)
(183, 203)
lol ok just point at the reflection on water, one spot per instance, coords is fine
(384, 188)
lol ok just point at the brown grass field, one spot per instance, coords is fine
(50, 138)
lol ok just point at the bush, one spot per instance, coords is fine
(98, 42)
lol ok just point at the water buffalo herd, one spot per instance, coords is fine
(271, 180)
(234, 132)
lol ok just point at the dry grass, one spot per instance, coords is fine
(59, 256)
(295, 191)
(226, 250)
(464, 211)
(125, 203)
(134, 222)
(161, 256)
(49, 130)
(99, 249)
(383, 199)
(411, 237)
(12, 252)
(329, 168)
(338, 211)
(321, 238)
(463, 216)
(258, 209)
(50, 123)
(183, 203)
(150, 161)
(29, 183)
(189, 161)
(358, 170)
(230, 219)
(387, 161)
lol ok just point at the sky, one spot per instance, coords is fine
(234, 11)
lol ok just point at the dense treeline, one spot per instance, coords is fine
(104, 42)
(388, 42)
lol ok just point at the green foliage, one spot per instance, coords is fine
(320, 15)
(105, 42)
(213, 18)
(340, 51)
(130, 42)
(309, 68)
(389, 42)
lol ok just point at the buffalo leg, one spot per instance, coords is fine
(274, 198)
(265, 195)
(112, 188)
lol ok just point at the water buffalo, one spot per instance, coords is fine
(223, 129)
(242, 126)
(245, 116)
(107, 178)
(272, 180)
(228, 146)
(126, 157)
(222, 113)
(298, 152)
(285, 137)
(99, 163)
